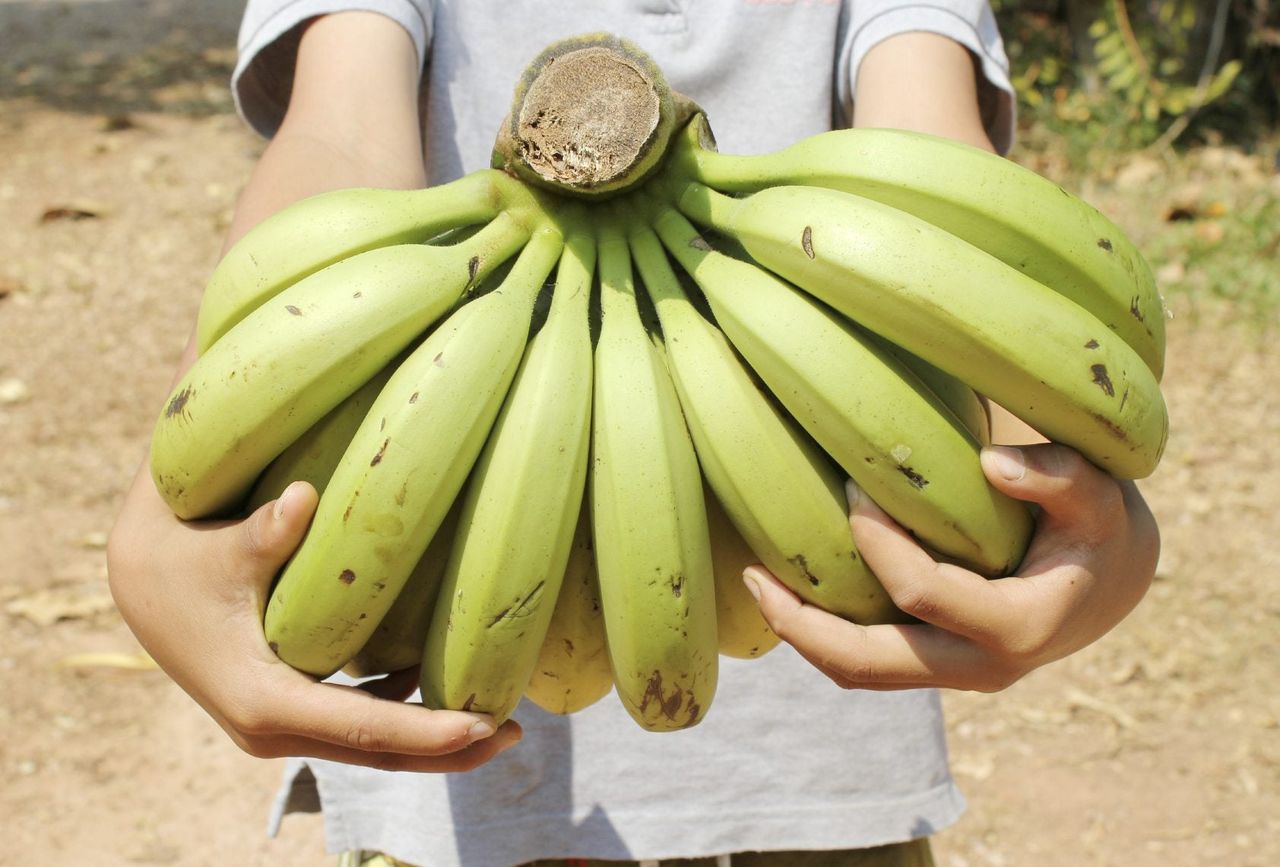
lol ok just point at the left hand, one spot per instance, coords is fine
(1091, 560)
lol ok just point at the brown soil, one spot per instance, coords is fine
(119, 164)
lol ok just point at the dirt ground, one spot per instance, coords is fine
(119, 163)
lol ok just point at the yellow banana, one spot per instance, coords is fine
(1036, 353)
(572, 671)
(648, 520)
(889, 432)
(743, 632)
(1021, 218)
(292, 360)
(324, 229)
(519, 514)
(788, 502)
(404, 468)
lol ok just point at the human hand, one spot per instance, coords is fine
(194, 594)
(1091, 560)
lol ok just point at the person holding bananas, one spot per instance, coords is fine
(790, 770)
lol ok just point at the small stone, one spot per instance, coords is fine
(96, 539)
(13, 390)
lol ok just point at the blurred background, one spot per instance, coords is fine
(120, 161)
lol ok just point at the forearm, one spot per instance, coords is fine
(922, 82)
(352, 119)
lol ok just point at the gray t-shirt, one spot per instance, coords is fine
(784, 759)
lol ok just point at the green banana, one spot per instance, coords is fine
(291, 361)
(325, 229)
(1016, 215)
(519, 514)
(1036, 353)
(572, 671)
(963, 401)
(404, 468)
(313, 456)
(398, 639)
(742, 630)
(958, 397)
(888, 431)
(649, 523)
(786, 500)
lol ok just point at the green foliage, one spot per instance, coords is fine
(1121, 74)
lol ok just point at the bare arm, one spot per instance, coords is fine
(194, 592)
(1095, 547)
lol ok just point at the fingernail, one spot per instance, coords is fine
(480, 730)
(282, 501)
(753, 585)
(1009, 462)
(853, 493)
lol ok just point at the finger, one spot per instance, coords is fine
(350, 717)
(269, 536)
(947, 596)
(888, 656)
(1069, 490)
(465, 759)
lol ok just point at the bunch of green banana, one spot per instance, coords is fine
(542, 474)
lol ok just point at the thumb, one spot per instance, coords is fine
(1065, 486)
(268, 537)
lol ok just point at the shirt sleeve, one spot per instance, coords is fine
(268, 46)
(969, 22)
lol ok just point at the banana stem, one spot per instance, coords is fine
(592, 116)
(706, 206)
(681, 238)
(660, 280)
(694, 157)
(535, 262)
(573, 277)
(494, 244)
(617, 286)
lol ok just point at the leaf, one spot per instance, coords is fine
(1222, 81)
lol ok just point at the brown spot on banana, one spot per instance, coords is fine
(347, 577)
(1135, 309)
(1105, 243)
(668, 705)
(377, 459)
(1102, 380)
(917, 481)
(806, 241)
(1092, 344)
(178, 405)
(293, 310)
(700, 243)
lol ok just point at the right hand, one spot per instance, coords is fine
(194, 594)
